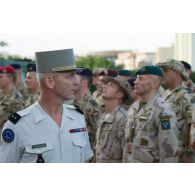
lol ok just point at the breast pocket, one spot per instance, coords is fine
(30, 154)
(79, 144)
(143, 147)
(106, 130)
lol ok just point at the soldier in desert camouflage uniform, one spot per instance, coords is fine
(86, 103)
(32, 84)
(20, 85)
(188, 84)
(151, 131)
(111, 131)
(97, 94)
(180, 101)
(10, 100)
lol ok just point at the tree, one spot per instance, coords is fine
(3, 44)
(93, 62)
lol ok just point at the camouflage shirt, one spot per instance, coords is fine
(97, 95)
(151, 132)
(180, 101)
(21, 88)
(92, 112)
(32, 99)
(9, 104)
(111, 136)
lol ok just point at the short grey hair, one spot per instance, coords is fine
(158, 79)
(40, 78)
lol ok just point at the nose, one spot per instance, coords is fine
(136, 81)
(75, 80)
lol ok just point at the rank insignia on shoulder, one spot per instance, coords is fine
(14, 118)
(77, 130)
(78, 109)
(165, 123)
(8, 135)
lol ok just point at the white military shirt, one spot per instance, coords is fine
(36, 133)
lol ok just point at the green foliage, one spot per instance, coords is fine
(3, 44)
(192, 76)
(94, 62)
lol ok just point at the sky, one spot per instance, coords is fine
(26, 44)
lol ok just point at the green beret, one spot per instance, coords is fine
(125, 73)
(152, 70)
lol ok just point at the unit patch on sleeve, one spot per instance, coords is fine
(8, 135)
(165, 123)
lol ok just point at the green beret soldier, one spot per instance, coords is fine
(151, 129)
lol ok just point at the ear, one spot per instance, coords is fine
(84, 82)
(49, 81)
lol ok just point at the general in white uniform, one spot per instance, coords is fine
(35, 133)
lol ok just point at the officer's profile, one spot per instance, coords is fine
(49, 131)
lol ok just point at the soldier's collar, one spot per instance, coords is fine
(68, 112)
(148, 105)
(41, 113)
(112, 115)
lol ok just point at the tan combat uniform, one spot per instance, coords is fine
(111, 136)
(32, 99)
(9, 104)
(21, 88)
(92, 113)
(180, 101)
(151, 133)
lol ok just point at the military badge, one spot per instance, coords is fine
(143, 118)
(77, 130)
(165, 123)
(8, 135)
(14, 118)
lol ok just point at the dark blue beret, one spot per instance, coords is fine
(16, 66)
(152, 70)
(84, 71)
(31, 67)
(186, 65)
(131, 81)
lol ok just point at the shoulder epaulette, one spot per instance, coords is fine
(14, 118)
(78, 109)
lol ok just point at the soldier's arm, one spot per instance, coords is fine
(168, 137)
(9, 149)
(17, 105)
(192, 132)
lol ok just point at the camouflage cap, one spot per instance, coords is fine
(186, 65)
(121, 82)
(55, 61)
(174, 65)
